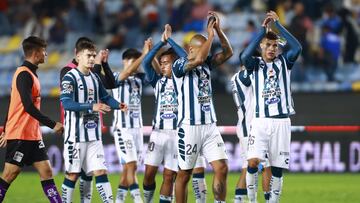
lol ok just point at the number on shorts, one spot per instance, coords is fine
(251, 140)
(76, 153)
(191, 149)
(151, 146)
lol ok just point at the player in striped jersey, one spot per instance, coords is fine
(108, 80)
(243, 96)
(81, 94)
(128, 135)
(162, 144)
(197, 131)
(270, 76)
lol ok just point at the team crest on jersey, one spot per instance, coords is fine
(272, 91)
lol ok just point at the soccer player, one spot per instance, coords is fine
(128, 135)
(22, 136)
(108, 81)
(81, 94)
(197, 131)
(243, 96)
(162, 145)
(270, 77)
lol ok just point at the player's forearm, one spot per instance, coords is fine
(70, 105)
(132, 68)
(108, 80)
(111, 102)
(178, 49)
(148, 59)
(246, 55)
(227, 50)
(295, 46)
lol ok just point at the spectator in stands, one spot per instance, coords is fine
(150, 16)
(351, 32)
(329, 51)
(58, 31)
(330, 19)
(129, 17)
(300, 25)
(199, 13)
(79, 20)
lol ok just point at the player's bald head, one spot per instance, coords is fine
(197, 40)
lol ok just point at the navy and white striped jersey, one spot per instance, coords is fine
(129, 91)
(166, 105)
(271, 83)
(194, 92)
(81, 126)
(243, 96)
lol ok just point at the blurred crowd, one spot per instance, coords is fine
(327, 29)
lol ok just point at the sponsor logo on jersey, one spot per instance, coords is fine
(90, 125)
(206, 108)
(168, 116)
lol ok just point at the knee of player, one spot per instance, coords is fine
(46, 174)
(10, 175)
(184, 175)
(168, 177)
(72, 176)
(222, 169)
(253, 163)
(100, 172)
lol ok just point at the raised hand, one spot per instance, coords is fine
(217, 19)
(167, 31)
(102, 108)
(272, 15)
(147, 45)
(105, 55)
(59, 128)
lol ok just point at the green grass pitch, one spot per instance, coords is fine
(298, 188)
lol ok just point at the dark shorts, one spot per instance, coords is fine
(25, 152)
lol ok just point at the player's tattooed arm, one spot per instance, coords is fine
(227, 50)
(204, 50)
(134, 66)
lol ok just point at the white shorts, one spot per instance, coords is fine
(243, 141)
(129, 144)
(270, 137)
(162, 149)
(88, 156)
(199, 139)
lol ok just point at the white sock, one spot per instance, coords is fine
(104, 188)
(135, 193)
(275, 189)
(86, 189)
(67, 190)
(165, 199)
(251, 184)
(219, 201)
(121, 194)
(199, 187)
(149, 193)
(240, 195)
